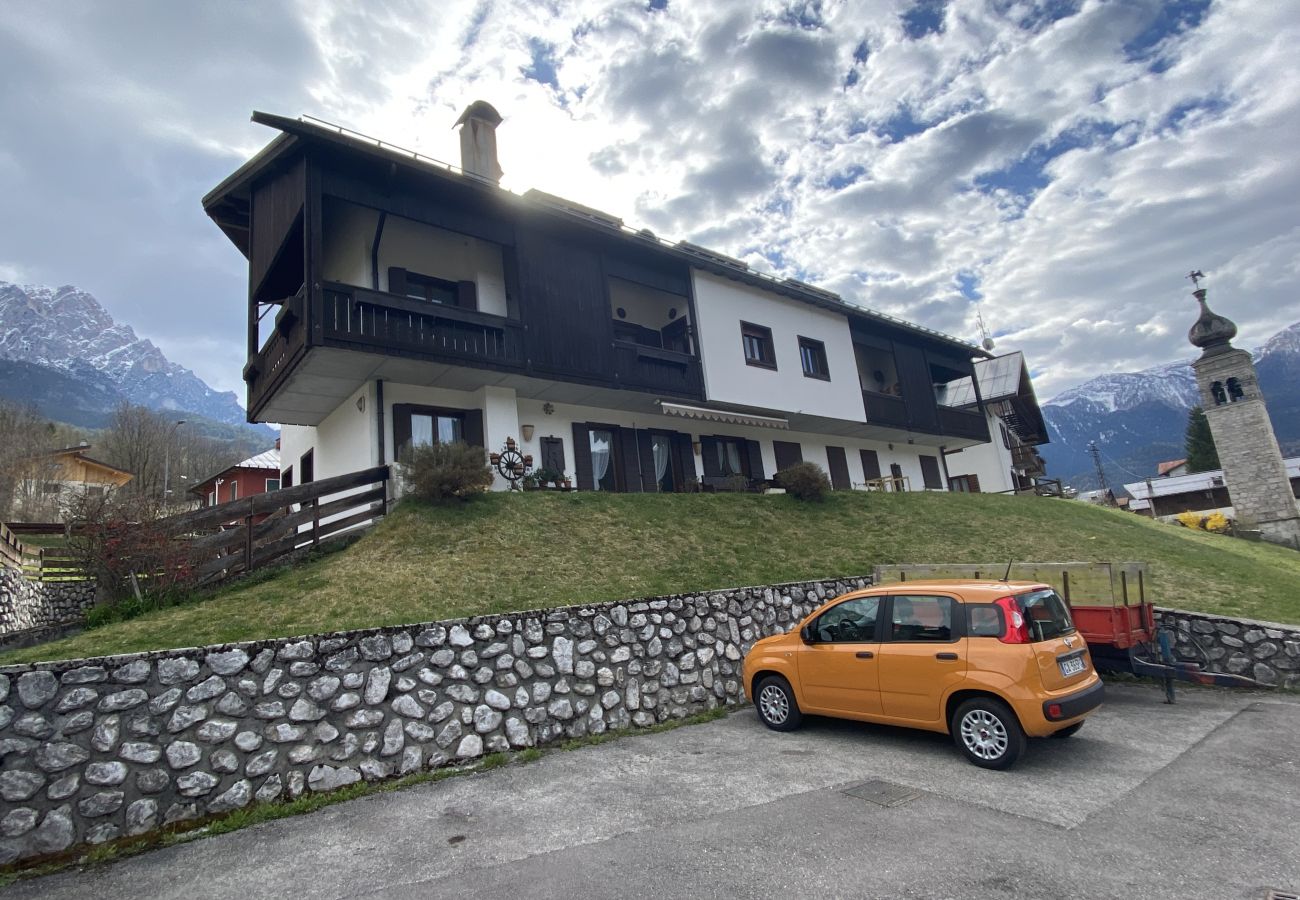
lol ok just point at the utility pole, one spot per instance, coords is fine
(167, 459)
(1101, 473)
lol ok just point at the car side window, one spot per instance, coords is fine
(917, 618)
(983, 620)
(851, 621)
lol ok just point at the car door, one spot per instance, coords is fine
(837, 666)
(922, 654)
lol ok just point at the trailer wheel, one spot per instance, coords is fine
(1068, 730)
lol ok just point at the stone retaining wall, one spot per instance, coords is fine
(33, 604)
(1265, 651)
(92, 750)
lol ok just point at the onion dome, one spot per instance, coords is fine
(1212, 332)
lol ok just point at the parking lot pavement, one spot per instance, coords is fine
(1199, 799)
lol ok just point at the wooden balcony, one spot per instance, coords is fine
(272, 364)
(652, 369)
(963, 423)
(885, 409)
(389, 323)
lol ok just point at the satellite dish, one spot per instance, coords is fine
(988, 343)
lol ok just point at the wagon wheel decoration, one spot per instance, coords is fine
(512, 464)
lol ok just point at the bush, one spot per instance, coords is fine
(439, 472)
(804, 481)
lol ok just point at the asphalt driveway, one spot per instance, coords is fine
(1200, 799)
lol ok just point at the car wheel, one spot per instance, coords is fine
(776, 705)
(1068, 730)
(988, 732)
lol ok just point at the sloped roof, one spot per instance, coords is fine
(1197, 481)
(1005, 387)
(1168, 465)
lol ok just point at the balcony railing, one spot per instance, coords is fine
(271, 363)
(885, 409)
(388, 322)
(963, 423)
(637, 366)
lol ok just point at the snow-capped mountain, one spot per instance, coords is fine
(1138, 418)
(64, 333)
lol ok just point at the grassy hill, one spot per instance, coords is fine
(505, 552)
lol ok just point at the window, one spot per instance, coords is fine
(603, 476)
(983, 620)
(286, 477)
(1046, 613)
(421, 426)
(853, 621)
(307, 467)
(212, 499)
(272, 484)
(730, 457)
(1235, 392)
(813, 356)
(964, 484)
(661, 456)
(921, 619)
(234, 490)
(757, 341)
(432, 289)
(877, 370)
(1006, 435)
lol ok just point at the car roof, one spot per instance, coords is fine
(982, 591)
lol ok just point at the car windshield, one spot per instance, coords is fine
(1046, 613)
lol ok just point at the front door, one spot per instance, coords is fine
(838, 669)
(923, 654)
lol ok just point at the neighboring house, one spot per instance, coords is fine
(256, 475)
(50, 480)
(411, 302)
(1009, 462)
(1171, 467)
(1203, 492)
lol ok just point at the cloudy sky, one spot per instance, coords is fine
(1058, 165)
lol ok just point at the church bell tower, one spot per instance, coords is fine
(1253, 470)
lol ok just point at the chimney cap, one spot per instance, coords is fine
(480, 109)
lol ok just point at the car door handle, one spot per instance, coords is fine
(864, 654)
(946, 656)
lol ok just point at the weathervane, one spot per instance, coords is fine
(1196, 275)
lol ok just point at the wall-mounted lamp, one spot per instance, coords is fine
(527, 432)
(361, 403)
(890, 446)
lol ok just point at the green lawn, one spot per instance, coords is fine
(504, 552)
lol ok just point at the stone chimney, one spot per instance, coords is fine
(478, 141)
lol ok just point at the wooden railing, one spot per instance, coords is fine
(659, 370)
(286, 342)
(11, 549)
(884, 409)
(389, 322)
(963, 423)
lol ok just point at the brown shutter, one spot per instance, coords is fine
(582, 456)
(466, 295)
(788, 453)
(709, 450)
(839, 468)
(930, 472)
(625, 456)
(683, 461)
(973, 483)
(755, 461)
(473, 429)
(870, 464)
(401, 427)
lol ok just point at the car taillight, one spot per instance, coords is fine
(1017, 629)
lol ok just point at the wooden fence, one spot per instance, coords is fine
(238, 536)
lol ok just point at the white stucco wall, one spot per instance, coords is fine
(990, 463)
(345, 242)
(721, 305)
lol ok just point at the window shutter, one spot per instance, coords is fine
(582, 456)
(839, 468)
(401, 427)
(755, 461)
(930, 472)
(683, 460)
(870, 464)
(709, 450)
(788, 453)
(466, 295)
(286, 477)
(473, 430)
(647, 456)
(396, 280)
(626, 457)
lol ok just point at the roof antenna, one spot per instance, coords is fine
(1008, 572)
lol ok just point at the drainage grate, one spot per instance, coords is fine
(882, 793)
(1282, 895)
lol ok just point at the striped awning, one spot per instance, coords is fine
(722, 415)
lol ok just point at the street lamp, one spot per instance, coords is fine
(167, 458)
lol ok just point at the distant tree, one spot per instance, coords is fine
(28, 478)
(1201, 452)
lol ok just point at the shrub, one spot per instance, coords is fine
(1217, 522)
(438, 472)
(804, 481)
(1189, 519)
(737, 484)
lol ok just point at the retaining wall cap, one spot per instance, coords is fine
(1216, 617)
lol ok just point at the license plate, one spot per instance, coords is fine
(1072, 666)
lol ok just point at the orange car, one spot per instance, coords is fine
(989, 662)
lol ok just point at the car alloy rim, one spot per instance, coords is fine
(773, 704)
(984, 734)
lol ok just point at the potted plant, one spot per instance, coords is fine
(547, 475)
(564, 481)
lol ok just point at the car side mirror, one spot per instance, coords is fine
(806, 634)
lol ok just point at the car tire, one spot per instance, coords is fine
(1068, 730)
(777, 708)
(988, 733)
